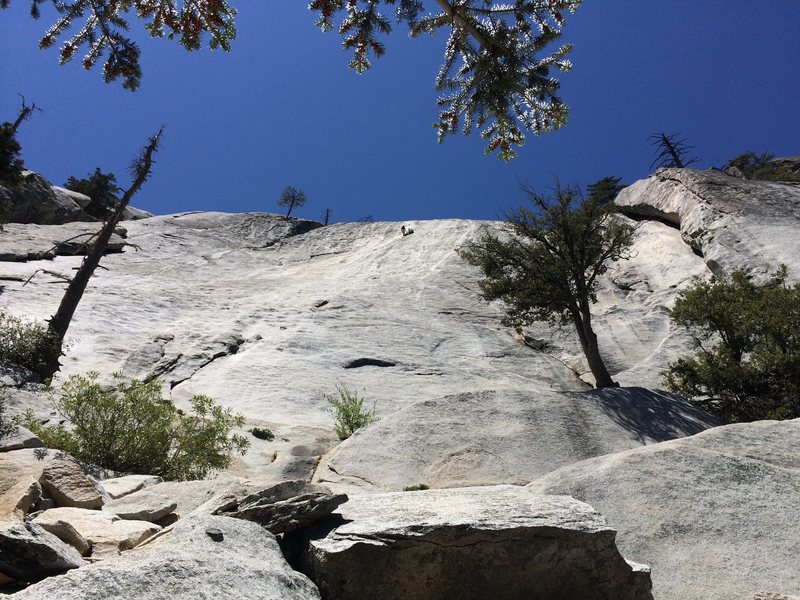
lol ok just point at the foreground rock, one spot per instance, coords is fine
(142, 506)
(715, 515)
(118, 487)
(108, 534)
(202, 557)
(504, 437)
(285, 507)
(19, 439)
(20, 490)
(496, 542)
(29, 553)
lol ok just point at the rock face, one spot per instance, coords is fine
(64, 482)
(22, 243)
(202, 557)
(503, 437)
(732, 223)
(492, 542)
(715, 515)
(29, 553)
(263, 322)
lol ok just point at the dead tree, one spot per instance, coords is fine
(59, 323)
(25, 113)
(672, 152)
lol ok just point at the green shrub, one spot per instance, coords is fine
(747, 352)
(10, 163)
(416, 488)
(23, 342)
(101, 187)
(132, 428)
(262, 433)
(760, 166)
(348, 411)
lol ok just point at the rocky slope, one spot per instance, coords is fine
(263, 314)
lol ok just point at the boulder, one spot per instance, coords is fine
(286, 506)
(495, 437)
(64, 482)
(715, 515)
(142, 506)
(202, 557)
(19, 439)
(489, 542)
(117, 487)
(20, 490)
(107, 533)
(29, 553)
(67, 534)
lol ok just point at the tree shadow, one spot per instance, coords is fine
(651, 415)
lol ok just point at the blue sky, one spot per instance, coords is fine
(283, 109)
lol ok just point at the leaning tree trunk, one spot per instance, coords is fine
(59, 323)
(588, 338)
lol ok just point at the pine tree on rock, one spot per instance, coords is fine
(546, 269)
(292, 198)
(101, 187)
(497, 75)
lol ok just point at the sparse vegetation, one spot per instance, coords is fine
(348, 412)
(7, 426)
(262, 433)
(747, 353)
(416, 488)
(761, 166)
(23, 343)
(132, 428)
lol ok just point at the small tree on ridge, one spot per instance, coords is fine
(291, 198)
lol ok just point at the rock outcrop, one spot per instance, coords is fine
(202, 557)
(714, 515)
(492, 542)
(503, 437)
(732, 223)
(36, 200)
